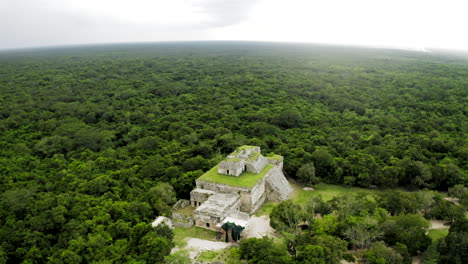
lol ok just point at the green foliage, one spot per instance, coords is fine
(378, 253)
(311, 254)
(234, 256)
(322, 249)
(285, 216)
(454, 247)
(289, 119)
(447, 211)
(362, 233)
(397, 202)
(263, 250)
(178, 257)
(461, 192)
(87, 132)
(409, 230)
(326, 225)
(208, 255)
(306, 174)
(352, 205)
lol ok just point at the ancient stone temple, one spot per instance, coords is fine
(237, 187)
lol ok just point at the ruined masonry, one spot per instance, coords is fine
(235, 188)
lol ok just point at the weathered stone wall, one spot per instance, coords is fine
(209, 221)
(249, 197)
(179, 219)
(256, 195)
(257, 165)
(277, 162)
(218, 187)
(182, 203)
(228, 167)
(245, 153)
(182, 224)
(246, 201)
(198, 196)
(278, 188)
(258, 204)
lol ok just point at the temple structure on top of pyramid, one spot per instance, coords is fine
(237, 187)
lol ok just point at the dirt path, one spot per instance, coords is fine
(417, 260)
(438, 224)
(259, 227)
(195, 246)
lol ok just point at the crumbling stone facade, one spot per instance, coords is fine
(215, 202)
(181, 217)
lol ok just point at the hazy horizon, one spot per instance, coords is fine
(416, 25)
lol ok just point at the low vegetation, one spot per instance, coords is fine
(381, 226)
(182, 234)
(436, 234)
(326, 191)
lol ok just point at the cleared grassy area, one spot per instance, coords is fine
(187, 210)
(435, 234)
(328, 191)
(180, 235)
(266, 209)
(299, 195)
(246, 179)
(213, 255)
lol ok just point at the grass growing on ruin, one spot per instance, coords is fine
(253, 156)
(274, 157)
(246, 179)
(244, 147)
(435, 234)
(237, 151)
(181, 234)
(187, 210)
(328, 191)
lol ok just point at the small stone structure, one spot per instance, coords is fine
(218, 198)
(182, 217)
(162, 220)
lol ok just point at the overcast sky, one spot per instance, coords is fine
(387, 23)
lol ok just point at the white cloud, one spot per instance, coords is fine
(403, 23)
(397, 23)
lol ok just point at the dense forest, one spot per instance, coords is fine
(96, 141)
(384, 228)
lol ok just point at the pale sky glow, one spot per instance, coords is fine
(384, 23)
